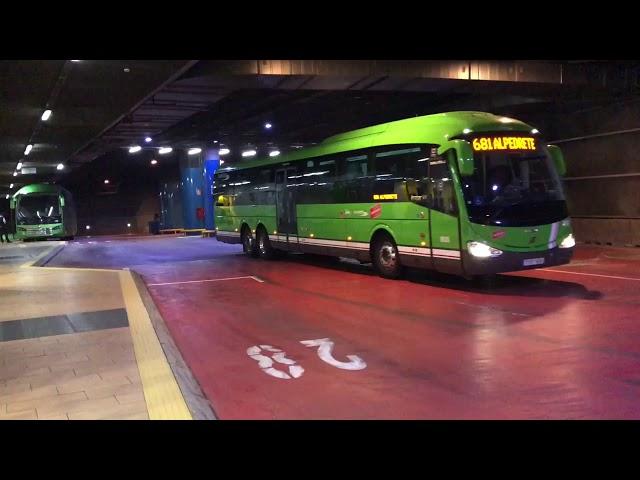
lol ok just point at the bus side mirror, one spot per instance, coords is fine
(558, 159)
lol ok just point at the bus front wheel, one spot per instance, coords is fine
(248, 242)
(386, 259)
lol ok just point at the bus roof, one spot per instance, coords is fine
(39, 188)
(434, 129)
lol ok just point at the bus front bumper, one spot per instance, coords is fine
(514, 261)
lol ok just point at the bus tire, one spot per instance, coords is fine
(265, 249)
(249, 246)
(385, 257)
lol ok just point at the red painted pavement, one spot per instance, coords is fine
(539, 344)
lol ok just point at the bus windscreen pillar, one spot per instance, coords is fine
(211, 164)
(192, 186)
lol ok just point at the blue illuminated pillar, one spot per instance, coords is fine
(211, 164)
(191, 183)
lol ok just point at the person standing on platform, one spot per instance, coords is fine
(4, 229)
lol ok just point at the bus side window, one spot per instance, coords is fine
(441, 190)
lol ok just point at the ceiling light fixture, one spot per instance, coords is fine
(28, 149)
(154, 162)
(11, 186)
(60, 166)
(75, 61)
(249, 153)
(224, 151)
(15, 174)
(45, 115)
(194, 151)
(135, 149)
(106, 181)
(147, 139)
(275, 153)
(19, 166)
(267, 125)
(164, 150)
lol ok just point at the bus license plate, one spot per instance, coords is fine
(533, 261)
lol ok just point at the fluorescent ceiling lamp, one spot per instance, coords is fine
(75, 60)
(147, 139)
(15, 174)
(194, 151)
(267, 125)
(224, 151)
(60, 166)
(28, 149)
(46, 115)
(19, 166)
(164, 150)
(275, 153)
(154, 161)
(11, 186)
(135, 149)
(106, 181)
(249, 153)
(7, 197)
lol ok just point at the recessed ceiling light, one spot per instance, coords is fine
(19, 166)
(75, 60)
(126, 69)
(267, 125)
(60, 166)
(249, 153)
(106, 181)
(128, 225)
(45, 115)
(194, 151)
(148, 139)
(11, 186)
(28, 149)
(7, 197)
(135, 149)
(88, 227)
(154, 162)
(221, 162)
(164, 150)
(275, 153)
(215, 141)
(224, 151)
(15, 174)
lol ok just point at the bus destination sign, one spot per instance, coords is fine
(490, 144)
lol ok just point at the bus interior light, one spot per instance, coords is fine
(568, 242)
(482, 250)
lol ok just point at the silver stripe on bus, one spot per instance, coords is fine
(223, 233)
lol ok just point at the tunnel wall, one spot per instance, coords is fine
(603, 210)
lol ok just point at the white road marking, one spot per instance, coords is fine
(325, 349)
(266, 363)
(257, 279)
(590, 274)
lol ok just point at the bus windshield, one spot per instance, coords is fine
(38, 209)
(514, 189)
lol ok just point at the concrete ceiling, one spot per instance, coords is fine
(99, 108)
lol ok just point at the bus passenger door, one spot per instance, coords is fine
(286, 214)
(443, 218)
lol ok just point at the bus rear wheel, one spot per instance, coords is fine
(265, 249)
(248, 243)
(386, 259)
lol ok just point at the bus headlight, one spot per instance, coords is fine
(482, 250)
(568, 241)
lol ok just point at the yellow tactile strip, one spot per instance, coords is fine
(161, 391)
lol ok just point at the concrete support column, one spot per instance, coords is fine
(211, 164)
(192, 183)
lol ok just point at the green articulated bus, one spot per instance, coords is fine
(43, 211)
(467, 193)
